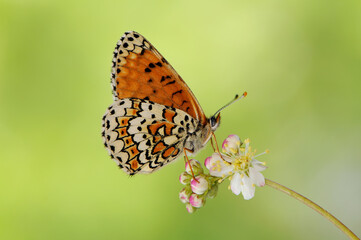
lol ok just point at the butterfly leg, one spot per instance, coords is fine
(190, 166)
(214, 150)
(215, 139)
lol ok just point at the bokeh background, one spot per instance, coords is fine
(300, 62)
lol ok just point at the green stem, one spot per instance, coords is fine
(314, 206)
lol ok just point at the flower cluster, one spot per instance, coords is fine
(237, 163)
(198, 188)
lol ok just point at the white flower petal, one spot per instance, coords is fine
(231, 144)
(259, 166)
(256, 177)
(236, 182)
(248, 188)
(217, 167)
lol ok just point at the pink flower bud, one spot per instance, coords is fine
(199, 185)
(196, 167)
(208, 163)
(231, 144)
(184, 195)
(197, 201)
(190, 208)
(185, 178)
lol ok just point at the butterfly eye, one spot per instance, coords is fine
(214, 122)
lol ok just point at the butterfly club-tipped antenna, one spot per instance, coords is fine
(214, 120)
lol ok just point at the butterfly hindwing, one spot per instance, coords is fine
(140, 71)
(142, 136)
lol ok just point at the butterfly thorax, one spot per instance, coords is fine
(196, 140)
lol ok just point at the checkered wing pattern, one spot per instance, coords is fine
(142, 136)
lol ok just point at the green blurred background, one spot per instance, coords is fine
(300, 62)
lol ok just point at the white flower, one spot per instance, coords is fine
(239, 165)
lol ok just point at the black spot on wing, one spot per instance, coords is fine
(180, 91)
(165, 61)
(169, 83)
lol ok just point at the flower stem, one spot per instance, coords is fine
(314, 206)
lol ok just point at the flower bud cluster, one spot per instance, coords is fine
(238, 163)
(197, 189)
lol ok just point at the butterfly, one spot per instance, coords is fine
(155, 117)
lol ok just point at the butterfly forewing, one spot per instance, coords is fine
(140, 71)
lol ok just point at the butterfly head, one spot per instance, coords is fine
(214, 121)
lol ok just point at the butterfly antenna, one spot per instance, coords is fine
(236, 98)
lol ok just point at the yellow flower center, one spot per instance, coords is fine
(242, 162)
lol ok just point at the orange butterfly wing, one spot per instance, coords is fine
(140, 71)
